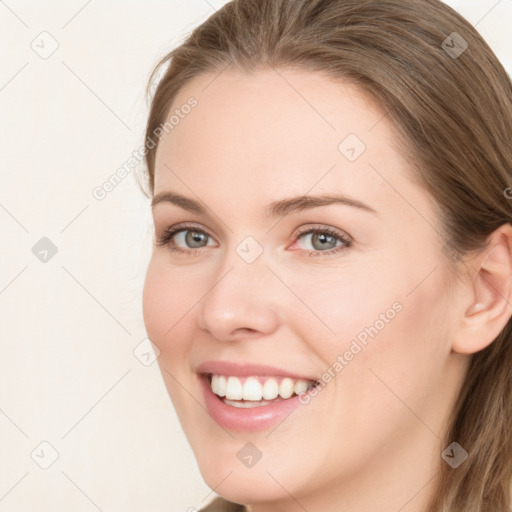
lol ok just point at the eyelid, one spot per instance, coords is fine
(345, 239)
(169, 233)
(321, 227)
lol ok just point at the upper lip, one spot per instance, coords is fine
(246, 370)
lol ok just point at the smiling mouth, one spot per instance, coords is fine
(254, 391)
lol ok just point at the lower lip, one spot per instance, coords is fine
(246, 420)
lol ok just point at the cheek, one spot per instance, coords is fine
(166, 304)
(399, 366)
(345, 305)
(385, 342)
(167, 300)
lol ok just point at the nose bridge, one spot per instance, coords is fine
(239, 298)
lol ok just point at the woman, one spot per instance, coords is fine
(330, 286)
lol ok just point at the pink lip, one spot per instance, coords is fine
(246, 370)
(246, 420)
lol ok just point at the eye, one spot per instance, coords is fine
(322, 240)
(186, 239)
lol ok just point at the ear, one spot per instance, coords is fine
(489, 294)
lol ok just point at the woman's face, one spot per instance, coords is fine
(245, 289)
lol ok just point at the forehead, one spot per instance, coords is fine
(279, 132)
(287, 113)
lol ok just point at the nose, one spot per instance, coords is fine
(241, 302)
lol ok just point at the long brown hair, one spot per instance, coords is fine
(447, 93)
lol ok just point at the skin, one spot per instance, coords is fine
(371, 439)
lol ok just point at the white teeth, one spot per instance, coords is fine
(233, 389)
(252, 390)
(286, 388)
(300, 387)
(270, 389)
(221, 386)
(215, 384)
(246, 405)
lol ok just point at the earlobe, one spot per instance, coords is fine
(490, 295)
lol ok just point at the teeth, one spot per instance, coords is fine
(300, 387)
(246, 405)
(254, 389)
(221, 385)
(270, 389)
(218, 384)
(214, 383)
(286, 388)
(233, 389)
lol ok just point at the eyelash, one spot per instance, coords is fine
(168, 234)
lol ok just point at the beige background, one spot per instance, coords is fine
(69, 326)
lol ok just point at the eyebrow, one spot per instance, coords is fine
(275, 209)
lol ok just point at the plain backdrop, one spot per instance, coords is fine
(85, 421)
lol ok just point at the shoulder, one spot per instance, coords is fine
(221, 505)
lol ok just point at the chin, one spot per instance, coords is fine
(244, 486)
(224, 473)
